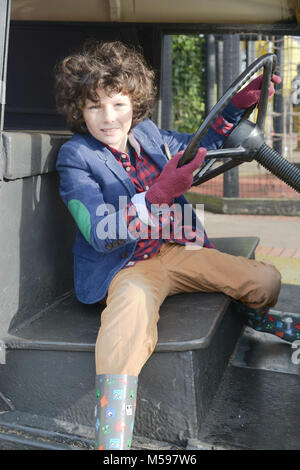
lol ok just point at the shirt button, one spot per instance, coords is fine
(123, 155)
(147, 187)
(146, 256)
(171, 217)
(128, 168)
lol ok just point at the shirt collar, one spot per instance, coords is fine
(134, 144)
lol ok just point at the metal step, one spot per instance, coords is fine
(267, 352)
(48, 368)
(25, 431)
(56, 379)
(264, 351)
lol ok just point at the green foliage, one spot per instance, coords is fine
(188, 82)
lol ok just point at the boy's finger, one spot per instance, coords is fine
(276, 79)
(198, 160)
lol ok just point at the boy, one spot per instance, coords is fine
(120, 187)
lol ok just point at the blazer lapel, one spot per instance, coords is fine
(151, 147)
(116, 168)
(107, 157)
(149, 144)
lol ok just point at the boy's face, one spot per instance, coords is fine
(109, 120)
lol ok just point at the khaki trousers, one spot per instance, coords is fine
(128, 332)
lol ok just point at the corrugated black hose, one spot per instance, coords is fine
(279, 166)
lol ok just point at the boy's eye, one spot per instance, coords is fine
(92, 106)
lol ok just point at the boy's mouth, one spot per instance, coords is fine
(109, 130)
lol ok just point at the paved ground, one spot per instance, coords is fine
(279, 238)
(265, 186)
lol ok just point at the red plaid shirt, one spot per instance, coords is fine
(168, 225)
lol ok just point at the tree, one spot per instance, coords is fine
(188, 82)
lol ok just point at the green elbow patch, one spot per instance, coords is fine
(82, 217)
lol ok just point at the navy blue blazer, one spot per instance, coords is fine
(91, 183)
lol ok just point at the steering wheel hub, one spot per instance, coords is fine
(248, 136)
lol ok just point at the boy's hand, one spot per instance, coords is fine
(250, 95)
(174, 181)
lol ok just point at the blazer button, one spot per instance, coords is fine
(115, 243)
(108, 246)
(124, 254)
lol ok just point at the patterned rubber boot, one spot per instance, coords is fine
(285, 326)
(115, 411)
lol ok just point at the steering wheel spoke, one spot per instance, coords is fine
(233, 157)
(207, 172)
(238, 152)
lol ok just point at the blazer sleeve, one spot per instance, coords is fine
(102, 226)
(215, 136)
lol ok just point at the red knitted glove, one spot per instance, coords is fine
(174, 181)
(250, 95)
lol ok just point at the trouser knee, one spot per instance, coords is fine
(267, 287)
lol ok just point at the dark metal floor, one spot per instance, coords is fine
(255, 409)
(257, 405)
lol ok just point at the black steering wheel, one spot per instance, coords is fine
(246, 141)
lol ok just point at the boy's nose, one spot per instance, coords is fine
(108, 114)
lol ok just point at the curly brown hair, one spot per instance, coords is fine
(110, 66)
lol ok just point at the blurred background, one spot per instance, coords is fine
(197, 70)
